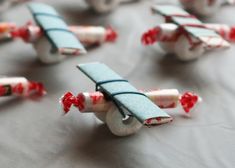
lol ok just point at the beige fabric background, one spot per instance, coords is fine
(34, 134)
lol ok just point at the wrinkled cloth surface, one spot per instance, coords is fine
(33, 132)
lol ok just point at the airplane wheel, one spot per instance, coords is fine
(43, 49)
(202, 8)
(103, 6)
(101, 116)
(120, 127)
(168, 47)
(184, 52)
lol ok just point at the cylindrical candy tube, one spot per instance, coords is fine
(94, 34)
(86, 34)
(96, 102)
(20, 86)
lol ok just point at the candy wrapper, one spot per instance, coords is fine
(20, 86)
(88, 35)
(97, 103)
(205, 7)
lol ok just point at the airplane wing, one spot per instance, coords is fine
(121, 91)
(56, 30)
(190, 24)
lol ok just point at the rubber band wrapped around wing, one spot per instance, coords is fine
(121, 92)
(190, 25)
(55, 29)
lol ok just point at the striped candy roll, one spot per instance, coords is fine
(86, 34)
(20, 86)
(96, 102)
(94, 34)
(227, 32)
(166, 32)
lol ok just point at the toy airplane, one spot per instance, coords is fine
(56, 40)
(122, 107)
(104, 6)
(205, 7)
(20, 86)
(186, 36)
(6, 4)
(51, 30)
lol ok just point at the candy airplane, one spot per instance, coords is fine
(56, 40)
(20, 86)
(51, 30)
(122, 107)
(205, 7)
(186, 36)
(103, 6)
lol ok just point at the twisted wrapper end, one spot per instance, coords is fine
(232, 34)
(68, 99)
(188, 101)
(111, 35)
(22, 32)
(36, 87)
(151, 36)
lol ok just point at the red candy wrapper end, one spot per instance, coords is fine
(188, 100)
(36, 87)
(232, 34)
(22, 32)
(111, 35)
(69, 99)
(150, 37)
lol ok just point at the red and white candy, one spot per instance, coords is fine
(88, 35)
(96, 102)
(20, 86)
